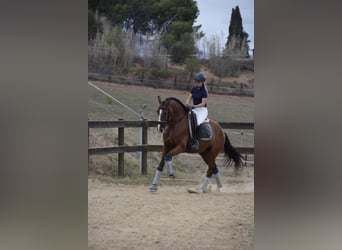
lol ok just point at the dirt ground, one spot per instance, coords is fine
(130, 217)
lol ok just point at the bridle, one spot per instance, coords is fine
(163, 124)
(161, 110)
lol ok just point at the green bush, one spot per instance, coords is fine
(157, 74)
(192, 65)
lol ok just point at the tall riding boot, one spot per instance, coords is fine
(194, 144)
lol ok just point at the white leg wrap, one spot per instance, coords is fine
(156, 177)
(205, 184)
(218, 180)
(169, 168)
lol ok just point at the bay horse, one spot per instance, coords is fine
(173, 123)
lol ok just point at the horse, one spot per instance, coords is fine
(173, 123)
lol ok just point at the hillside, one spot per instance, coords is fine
(245, 76)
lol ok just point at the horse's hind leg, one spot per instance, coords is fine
(217, 177)
(209, 158)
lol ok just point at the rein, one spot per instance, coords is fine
(168, 123)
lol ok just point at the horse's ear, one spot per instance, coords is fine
(159, 99)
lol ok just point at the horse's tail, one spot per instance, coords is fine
(231, 154)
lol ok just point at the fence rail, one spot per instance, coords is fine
(214, 86)
(144, 147)
(146, 123)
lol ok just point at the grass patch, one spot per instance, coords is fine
(109, 100)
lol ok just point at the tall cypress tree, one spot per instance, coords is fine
(237, 43)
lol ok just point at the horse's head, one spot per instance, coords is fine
(164, 114)
(168, 112)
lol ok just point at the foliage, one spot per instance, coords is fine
(171, 19)
(177, 29)
(110, 49)
(192, 65)
(155, 55)
(182, 48)
(222, 67)
(94, 24)
(109, 100)
(237, 43)
(135, 15)
(160, 74)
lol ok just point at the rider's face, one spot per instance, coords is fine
(198, 84)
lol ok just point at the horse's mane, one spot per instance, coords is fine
(182, 104)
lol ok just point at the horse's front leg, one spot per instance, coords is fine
(166, 159)
(159, 170)
(168, 162)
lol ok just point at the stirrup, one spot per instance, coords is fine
(194, 144)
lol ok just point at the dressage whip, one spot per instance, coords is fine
(105, 93)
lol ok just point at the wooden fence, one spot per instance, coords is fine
(214, 86)
(145, 147)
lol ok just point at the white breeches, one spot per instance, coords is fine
(201, 114)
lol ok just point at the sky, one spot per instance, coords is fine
(215, 18)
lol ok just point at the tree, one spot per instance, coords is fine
(133, 15)
(111, 50)
(94, 24)
(237, 43)
(180, 42)
(171, 20)
(174, 20)
(192, 65)
(103, 7)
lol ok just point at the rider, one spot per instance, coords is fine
(199, 95)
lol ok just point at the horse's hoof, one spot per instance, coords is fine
(153, 188)
(194, 191)
(172, 176)
(207, 190)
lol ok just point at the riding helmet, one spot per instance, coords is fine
(199, 77)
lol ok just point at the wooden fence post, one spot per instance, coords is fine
(88, 147)
(121, 156)
(142, 77)
(143, 162)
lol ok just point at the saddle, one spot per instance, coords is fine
(202, 132)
